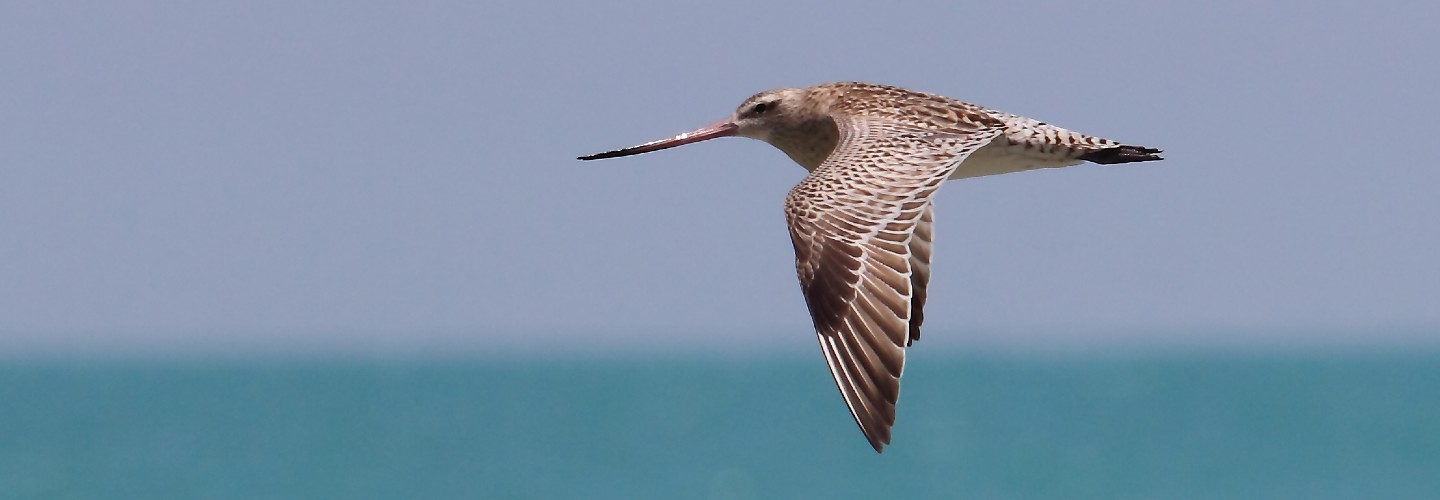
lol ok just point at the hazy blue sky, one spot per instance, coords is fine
(333, 175)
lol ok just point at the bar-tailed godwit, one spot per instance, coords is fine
(861, 221)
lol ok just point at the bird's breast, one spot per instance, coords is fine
(808, 144)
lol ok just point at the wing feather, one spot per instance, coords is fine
(924, 237)
(861, 226)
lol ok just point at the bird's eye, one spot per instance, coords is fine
(759, 108)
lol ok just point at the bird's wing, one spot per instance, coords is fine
(920, 241)
(861, 228)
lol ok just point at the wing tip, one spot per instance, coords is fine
(874, 425)
(878, 444)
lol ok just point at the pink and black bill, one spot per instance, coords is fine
(723, 128)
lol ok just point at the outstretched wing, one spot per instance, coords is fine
(860, 224)
(920, 241)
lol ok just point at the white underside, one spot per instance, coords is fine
(1002, 157)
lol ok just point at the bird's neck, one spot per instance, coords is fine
(808, 143)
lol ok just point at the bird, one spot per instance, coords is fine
(862, 220)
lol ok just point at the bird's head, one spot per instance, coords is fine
(789, 119)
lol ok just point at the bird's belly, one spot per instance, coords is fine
(1002, 157)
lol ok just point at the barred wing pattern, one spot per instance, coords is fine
(860, 224)
(920, 241)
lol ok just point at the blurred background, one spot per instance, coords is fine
(344, 250)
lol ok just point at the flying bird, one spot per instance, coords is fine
(861, 221)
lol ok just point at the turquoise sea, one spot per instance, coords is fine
(1154, 426)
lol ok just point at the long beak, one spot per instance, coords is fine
(722, 128)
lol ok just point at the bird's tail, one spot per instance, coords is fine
(1122, 154)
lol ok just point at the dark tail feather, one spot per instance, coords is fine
(1122, 154)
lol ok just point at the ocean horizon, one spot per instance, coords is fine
(1162, 424)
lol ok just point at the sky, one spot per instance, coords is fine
(392, 176)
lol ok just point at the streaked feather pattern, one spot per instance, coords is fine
(862, 222)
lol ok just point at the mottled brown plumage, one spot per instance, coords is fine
(861, 222)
